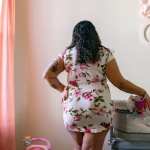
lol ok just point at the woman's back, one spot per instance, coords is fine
(87, 74)
(88, 92)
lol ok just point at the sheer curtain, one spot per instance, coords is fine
(7, 101)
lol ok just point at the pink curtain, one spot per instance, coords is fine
(7, 101)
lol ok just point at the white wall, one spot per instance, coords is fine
(44, 29)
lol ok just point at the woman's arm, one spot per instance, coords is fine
(116, 78)
(53, 71)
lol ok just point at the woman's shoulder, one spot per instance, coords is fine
(63, 53)
(106, 54)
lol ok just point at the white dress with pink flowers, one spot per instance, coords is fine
(88, 105)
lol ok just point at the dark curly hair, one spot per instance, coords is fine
(85, 38)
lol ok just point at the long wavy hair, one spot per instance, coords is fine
(85, 38)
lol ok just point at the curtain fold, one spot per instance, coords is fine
(7, 100)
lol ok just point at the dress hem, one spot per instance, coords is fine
(88, 131)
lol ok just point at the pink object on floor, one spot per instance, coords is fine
(35, 145)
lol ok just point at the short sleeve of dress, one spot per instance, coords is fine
(59, 59)
(61, 55)
(110, 56)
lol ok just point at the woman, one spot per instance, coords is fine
(86, 98)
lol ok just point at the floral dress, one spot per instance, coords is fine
(88, 105)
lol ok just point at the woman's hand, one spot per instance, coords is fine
(65, 93)
(147, 101)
